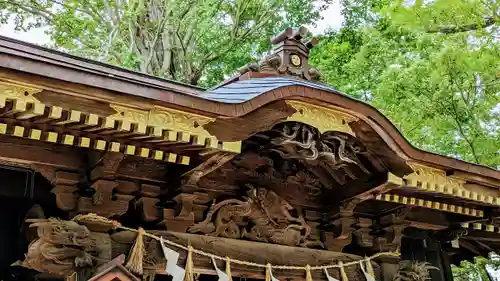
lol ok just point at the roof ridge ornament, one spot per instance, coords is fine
(289, 57)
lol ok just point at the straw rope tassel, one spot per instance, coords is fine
(136, 254)
(369, 267)
(189, 265)
(343, 275)
(268, 272)
(228, 268)
(308, 273)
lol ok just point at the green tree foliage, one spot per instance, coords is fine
(433, 69)
(185, 40)
(480, 270)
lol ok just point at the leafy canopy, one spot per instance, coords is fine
(433, 69)
(194, 41)
(480, 269)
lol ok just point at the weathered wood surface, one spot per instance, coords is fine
(26, 152)
(261, 253)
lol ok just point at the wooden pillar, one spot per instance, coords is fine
(15, 200)
(446, 266)
(428, 249)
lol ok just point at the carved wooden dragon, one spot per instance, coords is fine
(263, 216)
(299, 141)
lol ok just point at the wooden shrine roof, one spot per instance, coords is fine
(245, 90)
(56, 72)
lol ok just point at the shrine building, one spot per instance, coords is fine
(270, 175)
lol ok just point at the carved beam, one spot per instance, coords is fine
(131, 130)
(376, 191)
(260, 253)
(425, 225)
(28, 152)
(430, 204)
(114, 165)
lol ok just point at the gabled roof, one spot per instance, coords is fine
(246, 90)
(12, 49)
(61, 73)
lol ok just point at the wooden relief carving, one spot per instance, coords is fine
(14, 91)
(437, 181)
(65, 246)
(332, 154)
(262, 216)
(179, 121)
(284, 173)
(323, 118)
(434, 179)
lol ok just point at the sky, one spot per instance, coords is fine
(331, 19)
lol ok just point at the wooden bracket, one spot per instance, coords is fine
(343, 226)
(189, 209)
(392, 226)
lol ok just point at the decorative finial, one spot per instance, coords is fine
(289, 56)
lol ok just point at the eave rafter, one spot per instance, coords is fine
(158, 133)
(481, 227)
(430, 204)
(429, 180)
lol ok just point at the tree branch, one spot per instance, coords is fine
(489, 21)
(33, 11)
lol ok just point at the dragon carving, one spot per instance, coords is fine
(332, 151)
(263, 216)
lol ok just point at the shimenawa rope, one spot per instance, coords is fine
(341, 265)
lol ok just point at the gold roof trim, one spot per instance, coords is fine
(15, 91)
(434, 180)
(481, 226)
(323, 118)
(412, 201)
(85, 142)
(147, 133)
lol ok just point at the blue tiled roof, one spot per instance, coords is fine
(244, 90)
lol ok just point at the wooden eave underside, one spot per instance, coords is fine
(78, 84)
